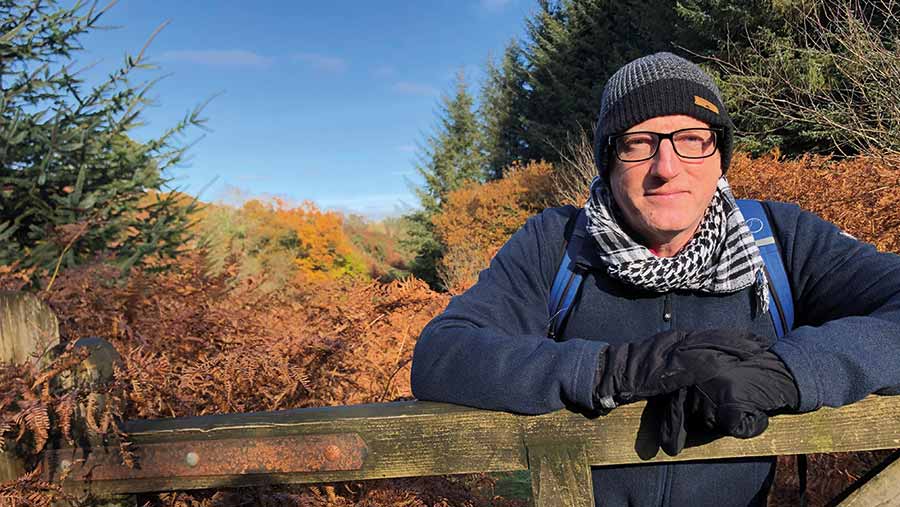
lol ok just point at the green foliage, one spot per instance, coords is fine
(806, 75)
(73, 186)
(247, 249)
(452, 155)
(379, 243)
(422, 240)
(502, 112)
(547, 90)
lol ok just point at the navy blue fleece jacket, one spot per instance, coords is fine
(489, 348)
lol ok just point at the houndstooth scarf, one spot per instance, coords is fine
(722, 256)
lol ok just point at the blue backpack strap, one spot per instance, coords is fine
(568, 277)
(781, 299)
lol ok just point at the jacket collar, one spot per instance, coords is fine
(582, 248)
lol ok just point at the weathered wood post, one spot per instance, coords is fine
(560, 475)
(28, 328)
(882, 489)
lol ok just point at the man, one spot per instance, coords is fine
(674, 299)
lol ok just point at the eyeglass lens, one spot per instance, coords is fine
(688, 143)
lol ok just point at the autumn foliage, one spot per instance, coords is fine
(222, 331)
(860, 195)
(477, 219)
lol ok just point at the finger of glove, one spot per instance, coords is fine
(671, 360)
(700, 410)
(729, 339)
(734, 345)
(672, 425)
(741, 421)
(656, 366)
(704, 355)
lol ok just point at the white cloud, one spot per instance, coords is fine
(217, 57)
(322, 62)
(411, 88)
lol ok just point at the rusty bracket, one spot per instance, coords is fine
(202, 458)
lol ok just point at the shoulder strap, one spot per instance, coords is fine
(782, 307)
(568, 278)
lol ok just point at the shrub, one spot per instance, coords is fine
(477, 219)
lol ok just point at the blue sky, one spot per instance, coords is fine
(316, 100)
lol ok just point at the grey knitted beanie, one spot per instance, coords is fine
(660, 84)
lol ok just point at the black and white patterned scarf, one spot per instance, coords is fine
(722, 256)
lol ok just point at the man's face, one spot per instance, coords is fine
(664, 198)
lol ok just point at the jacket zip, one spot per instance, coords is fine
(665, 472)
(667, 308)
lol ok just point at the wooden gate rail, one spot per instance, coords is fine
(409, 439)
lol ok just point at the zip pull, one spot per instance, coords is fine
(667, 308)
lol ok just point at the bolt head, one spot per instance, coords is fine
(332, 452)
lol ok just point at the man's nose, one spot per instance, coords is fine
(666, 164)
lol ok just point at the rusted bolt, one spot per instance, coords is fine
(332, 452)
(192, 458)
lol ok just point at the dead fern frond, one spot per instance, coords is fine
(65, 362)
(29, 490)
(35, 419)
(90, 413)
(64, 411)
(5, 427)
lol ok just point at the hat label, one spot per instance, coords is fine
(705, 104)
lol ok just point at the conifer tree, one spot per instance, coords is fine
(573, 47)
(73, 185)
(451, 156)
(502, 112)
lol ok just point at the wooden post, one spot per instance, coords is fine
(560, 475)
(27, 327)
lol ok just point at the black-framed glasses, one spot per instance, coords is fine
(688, 143)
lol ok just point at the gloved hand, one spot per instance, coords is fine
(670, 360)
(736, 402)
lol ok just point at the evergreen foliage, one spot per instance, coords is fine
(450, 157)
(800, 75)
(547, 90)
(73, 185)
(502, 112)
(809, 75)
(574, 46)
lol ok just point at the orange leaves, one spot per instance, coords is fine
(35, 419)
(859, 194)
(476, 220)
(271, 244)
(30, 491)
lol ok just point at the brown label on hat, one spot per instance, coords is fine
(705, 104)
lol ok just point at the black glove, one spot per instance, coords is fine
(668, 361)
(735, 403)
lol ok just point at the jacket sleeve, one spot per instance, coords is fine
(847, 295)
(489, 348)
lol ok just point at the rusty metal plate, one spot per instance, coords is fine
(202, 458)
